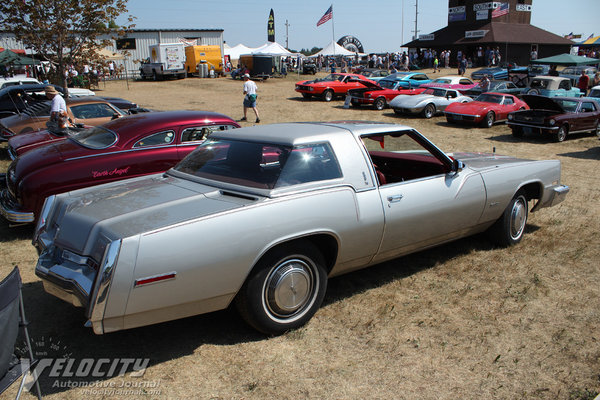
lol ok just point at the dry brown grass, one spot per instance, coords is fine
(461, 321)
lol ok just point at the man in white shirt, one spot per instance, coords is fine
(58, 108)
(249, 97)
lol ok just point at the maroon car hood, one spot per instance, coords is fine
(542, 103)
(27, 141)
(48, 154)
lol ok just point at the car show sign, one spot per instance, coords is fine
(351, 43)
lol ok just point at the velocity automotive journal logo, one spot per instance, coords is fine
(91, 374)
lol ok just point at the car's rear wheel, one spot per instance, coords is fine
(489, 119)
(510, 227)
(306, 95)
(379, 103)
(561, 134)
(533, 91)
(328, 95)
(285, 288)
(429, 111)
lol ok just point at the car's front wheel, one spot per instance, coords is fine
(328, 95)
(510, 227)
(489, 119)
(285, 288)
(561, 134)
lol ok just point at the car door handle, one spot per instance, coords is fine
(395, 198)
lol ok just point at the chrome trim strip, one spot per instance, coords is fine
(119, 152)
(551, 128)
(99, 297)
(41, 223)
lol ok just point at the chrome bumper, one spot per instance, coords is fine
(68, 281)
(556, 195)
(8, 209)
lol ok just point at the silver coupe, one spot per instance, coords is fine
(262, 216)
(429, 103)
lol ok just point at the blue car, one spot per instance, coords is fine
(498, 73)
(408, 80)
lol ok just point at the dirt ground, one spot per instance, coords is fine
(461, 321)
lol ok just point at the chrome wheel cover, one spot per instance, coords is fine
(290, 289)
(518, 218)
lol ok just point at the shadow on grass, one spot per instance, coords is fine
(533, 138)
(20, 232)
(589, 154)
(57, 328)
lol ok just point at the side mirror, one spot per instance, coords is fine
(457, 166)
(115, 116)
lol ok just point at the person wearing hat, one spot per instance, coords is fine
(58, 108)
(249, 97)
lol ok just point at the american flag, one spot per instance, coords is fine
(327, 16)
(502, 9)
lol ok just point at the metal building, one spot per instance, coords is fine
(135, 44)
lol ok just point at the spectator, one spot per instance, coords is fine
(249, 97)
(583, 82)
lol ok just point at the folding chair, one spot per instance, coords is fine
(12, 315)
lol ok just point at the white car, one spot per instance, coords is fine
(23, 80)
(432, 101)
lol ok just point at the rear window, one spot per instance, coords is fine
(95, 138)
(261, 165)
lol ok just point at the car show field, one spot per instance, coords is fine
(461, 320)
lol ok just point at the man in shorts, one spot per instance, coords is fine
(249, 97)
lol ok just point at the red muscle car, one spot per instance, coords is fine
(332, 85)
(127, 147)
(486, 109)
(378, 94)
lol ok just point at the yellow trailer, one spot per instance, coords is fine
(210, 55)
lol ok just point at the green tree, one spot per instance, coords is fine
(64, 32)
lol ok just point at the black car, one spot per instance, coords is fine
(309, 67)
(15, 99)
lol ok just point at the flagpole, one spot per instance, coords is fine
(332, 30)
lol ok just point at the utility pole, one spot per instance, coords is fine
(416, 18)
(286, 34)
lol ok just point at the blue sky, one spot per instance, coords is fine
(380, 26)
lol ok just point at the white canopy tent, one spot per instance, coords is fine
(237, 50)
(334, 49)
(272, 48)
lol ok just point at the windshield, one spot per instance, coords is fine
(538, 69)
(436, 92)
(96, 137)
(571, 71)
(539, 83)
(260, 165)
(594, 93)
(331, 77)
(387, 84)
(489, 98)
(567, 105)
(441, 80)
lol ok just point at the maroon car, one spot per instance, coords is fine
(127, 147)
(556, 117)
